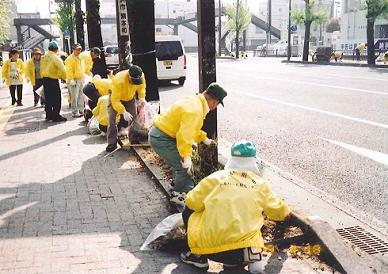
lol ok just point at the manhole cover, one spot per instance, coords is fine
(364, 240)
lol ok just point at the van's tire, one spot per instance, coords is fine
(181, 81)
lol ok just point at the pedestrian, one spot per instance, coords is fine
(126, 85)
(225, 212)
(99, 67)
(13, 74)
(175, 131)
(52, 69)
(34, 75)
(359, 49)
(75, 71)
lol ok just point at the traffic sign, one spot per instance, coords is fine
(66, 34)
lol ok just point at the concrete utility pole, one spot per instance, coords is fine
(123, 29)
(207, 75)
(219, 27)
(269, 22)
(79, 23)
(141, 15)
(289, 32)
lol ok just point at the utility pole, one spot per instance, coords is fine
(207, 75)
(141, 15)
(93, 21)
(123, 30)
(79, 23)
(219, 27)
(269, 22)
(289, 32)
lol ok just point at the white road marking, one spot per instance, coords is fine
(376, 156)
(355, 119)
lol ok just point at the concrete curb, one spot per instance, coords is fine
(336, 64)
(345, 260)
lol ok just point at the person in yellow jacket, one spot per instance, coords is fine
(75, 71)
(13, 74)
(359, 49)
(337, 55)
(224, 213)
(93, 90)
(34, 75)
(126, 85)
(52, 69)
(175, 131)
(101, 114)
(85, 56)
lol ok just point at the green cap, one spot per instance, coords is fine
(77, 46)
(244, 149)
(96, 50)
(217, 92)
(135, 72)
(53, 45)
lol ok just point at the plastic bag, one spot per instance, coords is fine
(143, 120)
(93, 126)
(40, 91)
(170, 229)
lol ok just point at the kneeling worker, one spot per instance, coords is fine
(101, 114)
(223, 213)
(174, 133)
(125, 86)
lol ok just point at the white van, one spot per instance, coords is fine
(170, 58)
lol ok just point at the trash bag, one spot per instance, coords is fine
(40, 91)
(93, 126)
(170, 229)
(143, 120)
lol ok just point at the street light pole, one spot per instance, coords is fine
(289, 32)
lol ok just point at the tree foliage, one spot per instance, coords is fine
(376, 9)
(239, 18)
(5, 9)
(333, 25)
(65, 15)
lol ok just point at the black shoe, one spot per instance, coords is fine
(60, 119)
(35, 105)
(111, 148)
(13, 102)
(19, 104)
(195, 260)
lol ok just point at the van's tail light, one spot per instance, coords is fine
(185, 61)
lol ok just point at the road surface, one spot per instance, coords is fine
(326, 125)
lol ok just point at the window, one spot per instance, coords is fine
(168, 50)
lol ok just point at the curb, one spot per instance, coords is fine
(336, 64)
(345, 260)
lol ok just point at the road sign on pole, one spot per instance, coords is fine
(66, 34)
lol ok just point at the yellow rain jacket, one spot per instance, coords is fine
(75, 67)
(6, 71)
(88, 61)
(52, 66)
(228, 208)
(101, 111)
(361, 47)
(30, 70)
(183, 121)
(124, 90)
(338, 54)
(102, 85)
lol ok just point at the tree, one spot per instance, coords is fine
(375, 9)
(65, 18)
(79, 23)
(239, 19)
(5, 6)
(93, 21)
(334, 25)
(311, 14)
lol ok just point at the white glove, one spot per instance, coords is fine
(127, 116)
(208, 141)
(72, 83)
(187, 164)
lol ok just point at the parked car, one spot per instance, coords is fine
(111, 55)
(170, 58)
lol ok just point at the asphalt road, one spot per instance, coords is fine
(326, 125)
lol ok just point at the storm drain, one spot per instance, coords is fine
(364, 240)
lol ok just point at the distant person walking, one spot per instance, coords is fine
(34, 75)
(360, 48)
(75, 71)
(13, 74)
(52, 69)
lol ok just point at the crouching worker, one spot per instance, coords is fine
(101, 114)
(174, 133)
(126, 85)
(337, 56)
(223, 213)
(93, 91)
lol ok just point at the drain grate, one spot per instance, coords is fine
(364, 240)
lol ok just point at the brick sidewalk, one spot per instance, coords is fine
(66, 207)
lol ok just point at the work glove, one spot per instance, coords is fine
(209, 142)
(72, 83)
(127, 116)
(188, 164)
